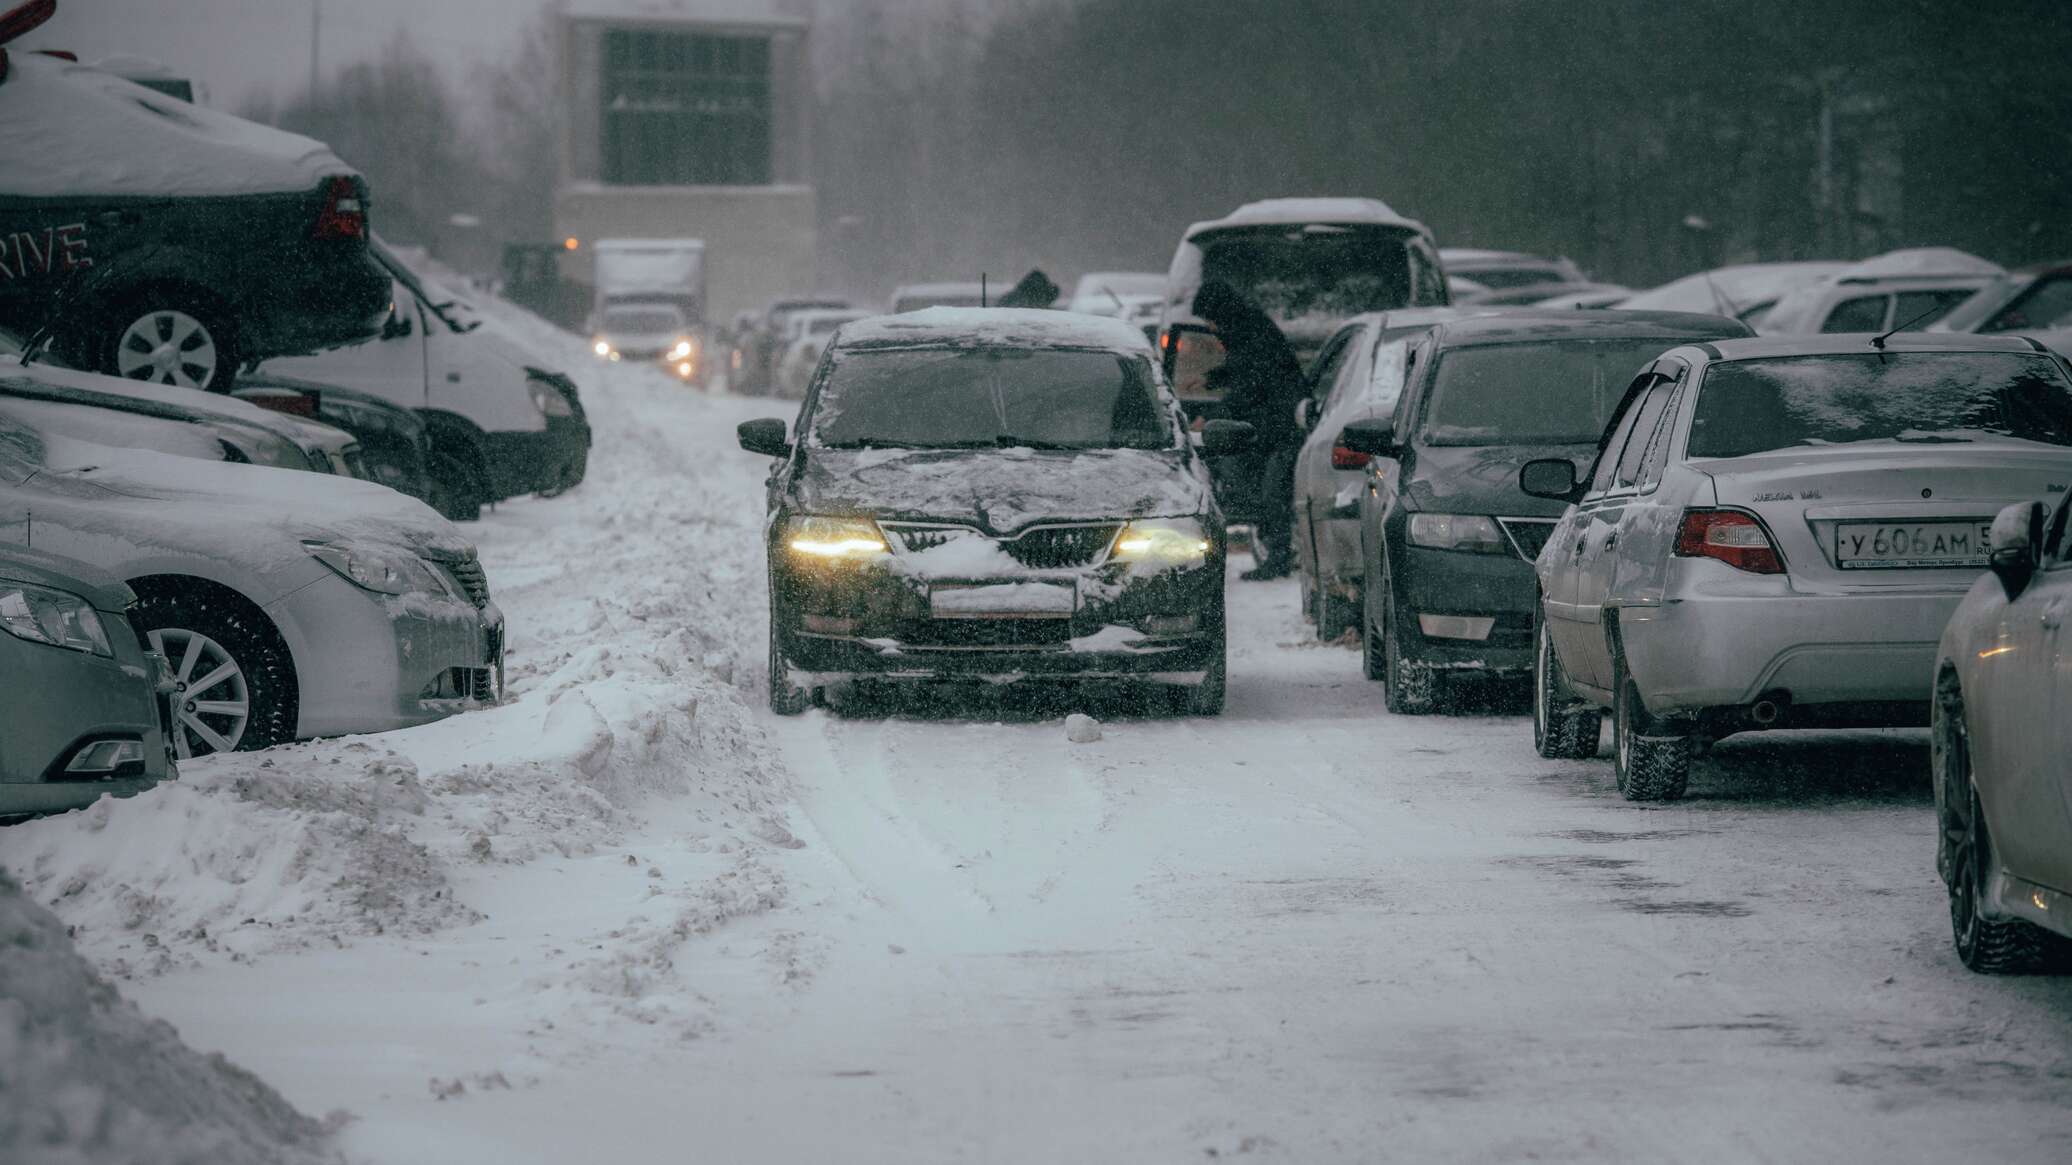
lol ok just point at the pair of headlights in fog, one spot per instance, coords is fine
(1153, 541)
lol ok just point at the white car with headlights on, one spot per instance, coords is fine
(1774, 535)
(289, 605)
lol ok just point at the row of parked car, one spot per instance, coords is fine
(234, 425)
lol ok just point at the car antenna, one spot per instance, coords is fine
(1878, 341)
(984, 300)
(1721, 299)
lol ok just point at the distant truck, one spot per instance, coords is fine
(650, 303)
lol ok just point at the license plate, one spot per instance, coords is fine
(1018, 600)
(1900, 545)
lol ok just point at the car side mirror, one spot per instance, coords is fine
(1222, 438)
(1306, 412)
(1550, 477)
(2013, 545)
(768, 436)
(396, 326)
(1374, 436)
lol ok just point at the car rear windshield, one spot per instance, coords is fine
(1533, 394)
(1318, 273)
(1749, 406)
(982, 398)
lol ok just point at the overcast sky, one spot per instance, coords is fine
(238, 48)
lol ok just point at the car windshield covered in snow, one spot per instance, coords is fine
(982, 398)
(1750, 406)
(1312, 272)
(1531, 394)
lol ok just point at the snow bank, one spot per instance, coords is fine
(86, 1077)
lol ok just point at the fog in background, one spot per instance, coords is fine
(952, 137)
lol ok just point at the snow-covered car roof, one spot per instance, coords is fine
(1918, 263)
(70, 130)
(1527, 325)
(995, 327)
(1743, 285)
(1302, 211)
(1478, 257)
(1856, 344)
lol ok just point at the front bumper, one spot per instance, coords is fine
(373, 663)
(1455, 585)
(1725, 637)
(549, 461)
(59, 701)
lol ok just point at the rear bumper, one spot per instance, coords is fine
(1454, 585)
(548, 461)
(335, 295)
(1713, 650)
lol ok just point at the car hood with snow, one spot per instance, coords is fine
(72, 131)
(1002, 491)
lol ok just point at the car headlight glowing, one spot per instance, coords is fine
(602, 348)
(56, 618)
(385, 570)
(1162, 542)
(683, 350)
(840, 539)
(1471, 533)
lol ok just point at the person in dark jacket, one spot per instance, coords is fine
(1261, 382)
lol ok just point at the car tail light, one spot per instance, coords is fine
(60, 54)
(26, 17)
(1344, 458)
(1731, 536)
(344, 215)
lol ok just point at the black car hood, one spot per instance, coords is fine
(1001, 490)
(1483, 479)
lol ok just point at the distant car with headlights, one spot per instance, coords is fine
(171, 242)
(648, 333)
(1447, 539)
(501, 421)
(988, 496)
(2002, 733)
(84, 717)
(1357, 375)
(290, 605)
(1775, 533)
(1905, 290)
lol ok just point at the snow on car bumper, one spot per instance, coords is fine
(372, 663)
(1729, 638)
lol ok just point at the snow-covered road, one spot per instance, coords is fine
(1306, 931)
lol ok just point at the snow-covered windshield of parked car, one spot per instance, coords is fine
(1313, 273)
(1751, 406)
(1532, 394)
(982, 398)
(1501, 278)
(642, 321)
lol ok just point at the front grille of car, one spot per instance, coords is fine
(1528, 535)
(986, 634)
(468, 572)
(1040, 548)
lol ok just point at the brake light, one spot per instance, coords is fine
(26, 17)
(1730, 536)
(1344, 458)
(60, 54)
(344, 216)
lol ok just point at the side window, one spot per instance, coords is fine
(2048, 304)
(1657, 453)
(1407, 405)
(1647, 415)
(1602, 481)
(1865, 313)
(2057, 548)
(1917, 309)
(1324, 371)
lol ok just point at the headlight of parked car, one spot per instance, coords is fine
(841, 539)
(57, 618)
(385, 570)
(548, 399)
(1162, 542)
(1473, 533)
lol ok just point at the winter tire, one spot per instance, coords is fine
(1651, 762)
(235, 686)
(1373, 657)
(1409, 688)
(167, 338)
(1206, 698)
(786, 698)
(455, 491)
(1989, 946)
(1332, 615)
(1557, 732)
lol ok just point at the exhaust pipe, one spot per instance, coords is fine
(1767, 710)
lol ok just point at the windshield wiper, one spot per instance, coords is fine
(1931, 439)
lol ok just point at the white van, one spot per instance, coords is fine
(501, 423)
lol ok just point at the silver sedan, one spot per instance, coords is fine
(1775, 533)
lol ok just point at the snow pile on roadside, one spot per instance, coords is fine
(623, 601)
(85, 1076)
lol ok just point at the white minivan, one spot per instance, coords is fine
(501, 424)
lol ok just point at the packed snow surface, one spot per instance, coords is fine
(631, 916)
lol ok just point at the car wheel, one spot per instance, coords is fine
(1558, 733)
(1332, 615)
(168, 338)
(235, 688)
(1650, 761)
(786, 698)
(455, 492)
(1989, 946)
(1373, 656)
(1206, 698)
(1410, 688)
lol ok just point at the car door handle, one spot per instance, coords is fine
(1611, 540)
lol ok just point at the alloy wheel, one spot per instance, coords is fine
(211, 702)
(167, 347)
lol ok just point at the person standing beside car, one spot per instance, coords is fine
(1260, 382)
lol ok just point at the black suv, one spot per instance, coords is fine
(988, 496)
(1447, 539)
(164, 241)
